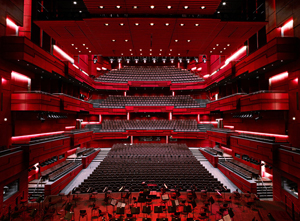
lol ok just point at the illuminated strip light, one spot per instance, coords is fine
(230, 127)
(75, 66)
(206, 76)
(85, 123)
(199, 69)
(103, 68)
(213, 73)
(20, 76)
(85, 73)
(194, 68)
(279, 77)
(10, 23)
(36, 135)
(64, 54)
(98, 69)
(263, 134)
(70, 127)
(287, 26)
(208, 122)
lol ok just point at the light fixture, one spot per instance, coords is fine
(126, 40)
(204, 58)
(118, 6)
(181, 24)
(136, 60)
(106, 24)
(113, 40)
(221, 52)
(121, 53)
(164, 60)
(170, 49)
(196, 24)
(131, 53)
(178, 53)
(224, 3)
(172, 60)
(127, 60)
(76, 48)
(159, 53)
(150, 53)
(145, 60)
(79, 51)
(188, 40)
(154, 60)
(5, 119)
(151, 24)
(169, 53)
(75, 3)
(169, 7)
(203, 7)
(121, 24)
(141, 53)
(72, 44)
(150, 49)
(136, 24)
(217, 44)
(83, 44)
(180, 60)
(101, 6)
(228, 45)
(130, 49)
(141, 49)
(152, 6)
(80, 11)
(196, 60)
(294, 118)
(224, 48)
(134, 7)
(111, 60)
(160, 49)
(188, 60)
(90, 51)
(218, 12)
(176, 40)
(167, 24)
(185, 7)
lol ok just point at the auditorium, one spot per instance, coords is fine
(128, 110)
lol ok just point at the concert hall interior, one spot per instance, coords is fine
(149, 110)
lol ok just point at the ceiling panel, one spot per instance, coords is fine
(211, 36)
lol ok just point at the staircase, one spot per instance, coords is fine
(199, 156)
(265, 189)
(36, 189)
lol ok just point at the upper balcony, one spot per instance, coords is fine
(227, 103)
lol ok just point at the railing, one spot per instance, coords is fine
(228, 96)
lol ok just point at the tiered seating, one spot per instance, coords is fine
(151, 73)
(119, 101)
(59, 170)
(157, 164)
(123, 125)
(243, 170)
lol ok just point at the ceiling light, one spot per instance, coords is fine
(141, 49)
(151, 24)
(131, 53)
(72, 44)
(160, 49)
(90, 51)
(101, 6)
(196, 24)
(152, 6)
(224, 3)
(86, 48)
(188, 40)
(210, 51)
(178, 53)
(167, 24)
(217, 44)
(126, 40)
(150, 49)
(221, 51)
(159, 53)
(79, 51)
(186, 7)
(176, 40)
(76, 48)
(80, 11)
(169, 7)
(181, 24)
(75, 3)
(121, 24)
(106, 24)
(170, 49)
(113, 40)
(203, 7)
(130, 49)
(169, 53)
(214, 48)
(134, 7)
(141, 53)
(121, 53)
(224, 48)
(118, 6)
(228, 45)
(136, 24)
(150, 53)
(83, 44)
(218, 12)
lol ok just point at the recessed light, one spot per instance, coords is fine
(224, 3)
(294, 118)
(221, 51)
(210, 51)
(150, 49)
(126, 40)
(188, 40)
(150, 53)
(113, 40)
(160, 49)
(203, 7)
(134, 7)
(76, 48)
(217, 44)
(72, 44)
(86, 48)
(141, 53)
(130, 49)
(151, 24)
(83, 44)
(264, 68)
(167, 24)
(171, 50)
(169, 53)
(214, 48)
(79, 51)
(121, 24)
(228, 45)
(136, 24)
(118, 6)
(121, 53)
(90, 51)
(101, 6)
(224, 48)
(196, 24)
(131, 53)
(181, 24)
(218, 12)
(176, 40)
(106, 24)
(75, 3)
(152, 6)
(141, 49)
(169, 7)
(186, 7)
(80, 11)
(178, 53)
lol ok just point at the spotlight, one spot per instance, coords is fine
(119, 60)
(145, 60)
(95, 59)
(180, 60)
(154, 60)
(164, 60)
(136, 60)
(127, 60)
(188, 60)
(172, 60)
(111, 60)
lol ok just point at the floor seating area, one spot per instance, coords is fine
(243, 170)
(158, 165)
(118, 101)
(144, 73)
(123, 125)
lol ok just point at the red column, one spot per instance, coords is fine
(26, 29)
